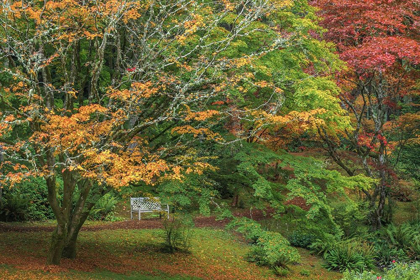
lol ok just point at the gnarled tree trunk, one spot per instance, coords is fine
(70, 219)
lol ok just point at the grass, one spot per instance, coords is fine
(406, 211)
(136, 254)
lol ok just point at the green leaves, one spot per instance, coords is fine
(269, 248)
(312, 181)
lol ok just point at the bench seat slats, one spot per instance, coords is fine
(146, 205)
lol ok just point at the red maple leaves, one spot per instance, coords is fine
(373, 35)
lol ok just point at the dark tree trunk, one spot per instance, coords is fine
(69, 250)
(235, 200)
(70, 219)
(58, 240)
(377, 199)
(79, 217)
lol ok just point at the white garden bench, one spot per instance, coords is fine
(147, 205)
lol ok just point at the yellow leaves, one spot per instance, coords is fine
(177, 173)
(242, 61)
(191, 26)
(69, 36)
(282, 3)
(123, 95)
(4, 128)
(75, 132)
(229, 6)
(145, 90)
(67, 15)
(220, 87)
(9, 118)
(72, 93)
(93, 108)
(90, 36)
(293, 123)
(120, 168)
(132, 13)
(190, 164)
(78, 167)
(137, 91)
(207, 133)
(263, 84)
(200, 116)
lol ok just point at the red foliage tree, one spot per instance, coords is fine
(379, 40)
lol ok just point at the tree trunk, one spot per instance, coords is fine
(69, 250)
(57, 245)
(70, 219)
(235, 200)
(79, 217)
(379, 211)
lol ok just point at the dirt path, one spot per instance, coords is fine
(135, 224)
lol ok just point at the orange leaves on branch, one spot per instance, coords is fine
(153, 78)
(121, 168)
(75, 132)
(196, 132)
(301, 120)
(68, 15)
(200, 116)
(137, 91)
(407, 124)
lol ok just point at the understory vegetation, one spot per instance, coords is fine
(396, 272)
(138, 254)
(283, 135)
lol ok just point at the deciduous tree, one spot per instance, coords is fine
(379, 40)
(105, 93)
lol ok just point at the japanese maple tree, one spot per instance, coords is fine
(101, 94)
(379, 40)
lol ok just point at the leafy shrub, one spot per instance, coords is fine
(387, 254)
(301, 239)
(304, 272)
(104, 208)
(257, 255)
(281, 271)
(403, 191)
(350, 255)
(14, 208)
(272, 250)
(177, 234)
(27, 201)
(249, 228)
(405, 237)
(400, 271)
(400, 236)
(351, 218)
(325, 243)
(269, 248)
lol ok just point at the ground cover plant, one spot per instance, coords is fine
(130, 253)
(403, 271)
(268, 248)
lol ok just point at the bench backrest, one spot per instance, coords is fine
(146, 203)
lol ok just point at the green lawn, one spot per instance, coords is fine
(136, 254)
